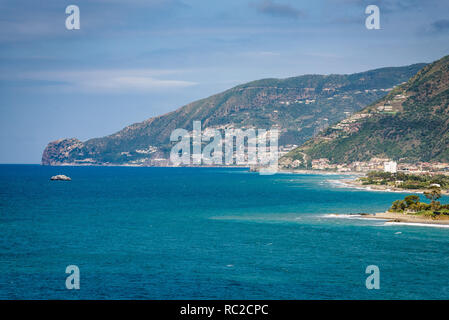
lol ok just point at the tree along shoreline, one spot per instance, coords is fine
(412, 205)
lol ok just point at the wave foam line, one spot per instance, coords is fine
(434, 225)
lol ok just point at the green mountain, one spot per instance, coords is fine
(410, 124)
(300, 107)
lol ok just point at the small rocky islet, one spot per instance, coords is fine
(60, 177)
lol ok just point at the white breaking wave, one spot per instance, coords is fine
(343, 216)
(434, 225)
(343, 184)
(337, 183)
(351, 216)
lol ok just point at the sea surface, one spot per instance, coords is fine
(206, 233)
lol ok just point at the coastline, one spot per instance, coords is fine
(353, 183)
(406, 218)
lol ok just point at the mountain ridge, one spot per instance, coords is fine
(298, 106)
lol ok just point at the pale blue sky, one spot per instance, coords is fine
(138, 58)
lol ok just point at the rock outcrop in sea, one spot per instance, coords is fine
(61, 177)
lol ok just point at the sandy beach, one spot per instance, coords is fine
(408, 218)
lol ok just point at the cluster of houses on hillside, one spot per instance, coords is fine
(305, 101)
(332, 92)
(352, 123)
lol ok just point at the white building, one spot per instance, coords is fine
(391, 166)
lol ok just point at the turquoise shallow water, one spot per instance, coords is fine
(206, 233)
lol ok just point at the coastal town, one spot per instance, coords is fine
(383, 164)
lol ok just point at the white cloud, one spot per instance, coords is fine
(133, 82)
(113, 80)
(261, 54)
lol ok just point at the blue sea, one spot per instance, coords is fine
(206, 233)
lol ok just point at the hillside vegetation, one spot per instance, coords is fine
(409, 124)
